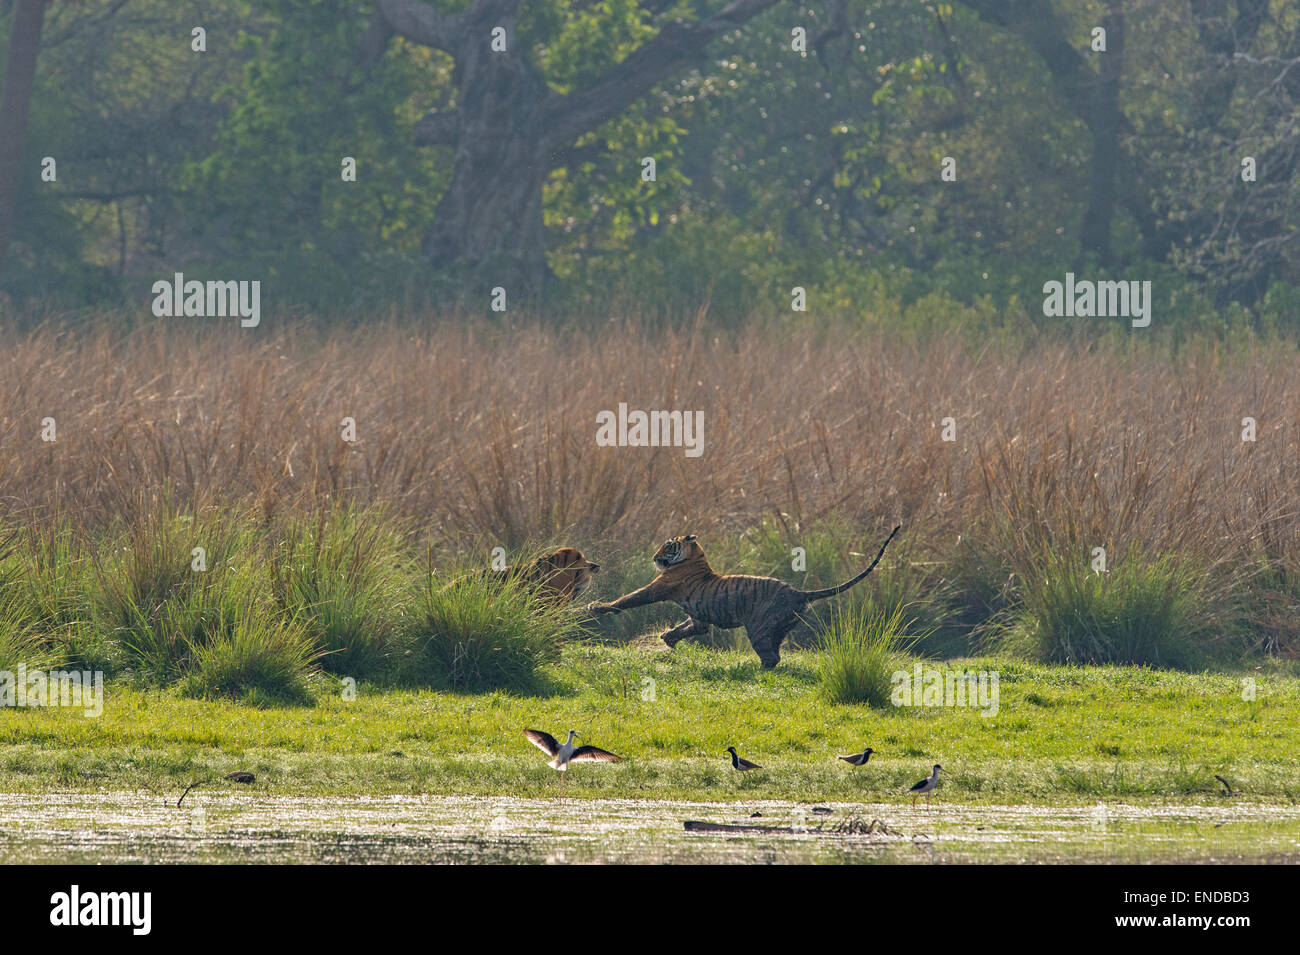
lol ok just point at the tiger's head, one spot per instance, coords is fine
(678, 551)
(566, 572)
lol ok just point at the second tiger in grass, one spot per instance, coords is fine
(558, 576)
(766, 607)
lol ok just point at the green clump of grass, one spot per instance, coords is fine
(1161, 613)
(478, 633)
(43, 604)
(339, 573)
(149, 595)
(253, 658)
(860, 651)
(21, 643)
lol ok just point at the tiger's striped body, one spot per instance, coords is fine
(767, 608)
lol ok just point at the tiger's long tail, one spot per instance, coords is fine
(832, 591)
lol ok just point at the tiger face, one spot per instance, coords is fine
(677, 551)
(565, 572)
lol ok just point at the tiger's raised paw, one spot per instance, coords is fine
(597, 607)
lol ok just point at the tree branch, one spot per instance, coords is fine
(1037, 25)
(418, 21)
(677, 43)
(838, 26)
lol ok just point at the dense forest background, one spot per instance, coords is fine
(775, 167)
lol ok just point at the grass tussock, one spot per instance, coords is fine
(478, 633)
(340, 573)
(1148, 613)
(860, 652)
(173, 581)
(252, 658)
(21, 645)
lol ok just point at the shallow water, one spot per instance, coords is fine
(126, 827)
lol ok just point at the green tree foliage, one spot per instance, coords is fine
(272, 191)
(773, 166)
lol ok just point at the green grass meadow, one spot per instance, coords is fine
(1062, 734)
(329, 656)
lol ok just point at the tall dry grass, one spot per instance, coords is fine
(483, 434)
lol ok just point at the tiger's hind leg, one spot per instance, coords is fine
(766, 637)
(687, 628)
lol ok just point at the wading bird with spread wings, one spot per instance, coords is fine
(561, 756)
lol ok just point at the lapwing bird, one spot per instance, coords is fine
(562, 756)
(741, 764)
(926, 786)
(859, 759)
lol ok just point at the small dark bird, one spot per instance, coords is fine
(859, 759)
(1226, 785)
(926, 786)
(561, 756)
(741, 764)
(238, 776)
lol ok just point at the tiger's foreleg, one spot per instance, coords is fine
(687, 628)
(649, 594)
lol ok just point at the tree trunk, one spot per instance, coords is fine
(489, 222)
(15, 103)
(1038, 25)
(510, 129)
(1107, 120)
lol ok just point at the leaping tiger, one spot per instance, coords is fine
(766, 607)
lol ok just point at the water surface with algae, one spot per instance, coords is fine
(139, 827)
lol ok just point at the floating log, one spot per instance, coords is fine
(850, 827)
(695, 825)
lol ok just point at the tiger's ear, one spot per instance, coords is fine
(688, 538)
